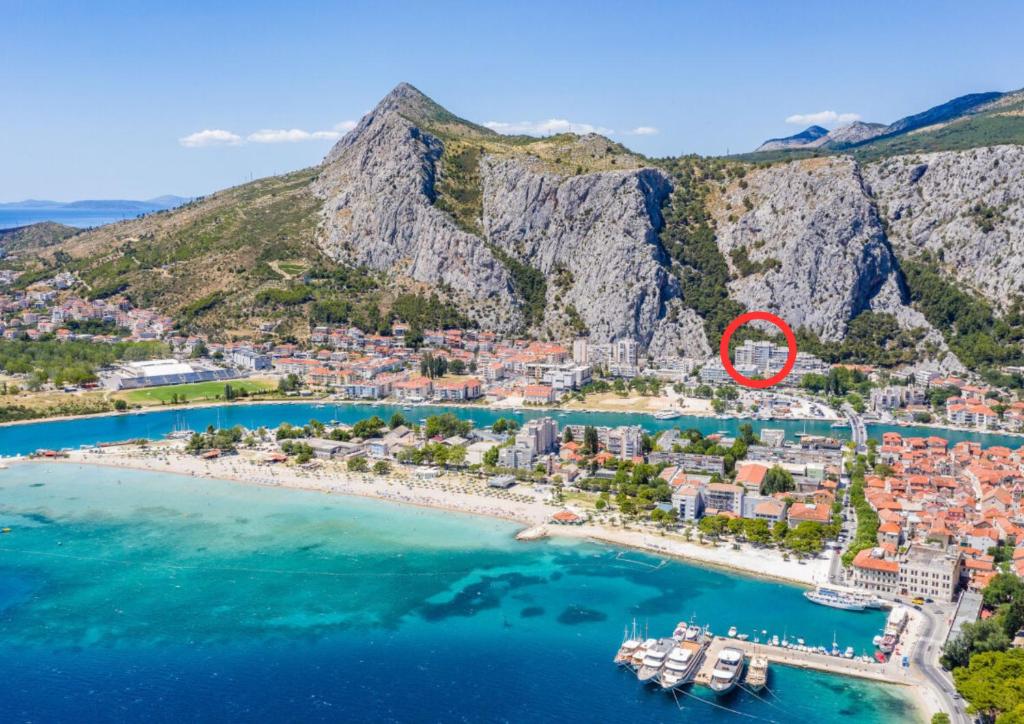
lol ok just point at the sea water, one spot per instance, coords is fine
(131, 596)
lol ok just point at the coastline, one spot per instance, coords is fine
(457, 494)
(443, 494)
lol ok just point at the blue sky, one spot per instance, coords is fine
(98, 96)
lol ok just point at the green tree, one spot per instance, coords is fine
(777, 480)
(382, 467)
(120, 405)
(397, 420)
(590, 440)
(357, 465)
(993, 683)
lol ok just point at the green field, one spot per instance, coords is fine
(197, 391)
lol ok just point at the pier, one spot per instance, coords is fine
(888, 672)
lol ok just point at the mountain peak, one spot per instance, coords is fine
(805, 137)
(411, 103)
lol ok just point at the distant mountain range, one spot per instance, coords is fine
(977, 113)
(156, 204)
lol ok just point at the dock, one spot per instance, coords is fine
(798, 659)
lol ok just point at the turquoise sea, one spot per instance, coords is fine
(131, 596)
(72, 433)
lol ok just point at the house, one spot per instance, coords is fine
(873, 572)
(457, 389)
(538, 395)
(808, 512)
(414, 389)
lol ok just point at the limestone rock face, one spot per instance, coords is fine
(595, 237)
(804, 241)
(965, 207)
(377, 184)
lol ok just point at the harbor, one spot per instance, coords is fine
(694, 655)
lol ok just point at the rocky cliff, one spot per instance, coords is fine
(593, 236)
(965, 207)
(804, 240)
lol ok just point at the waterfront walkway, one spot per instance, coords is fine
(890, 673)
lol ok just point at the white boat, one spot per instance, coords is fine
(848, 654)
(876, 640)
(683, 662)
(801, 642)
(742, 637)
(838, 598)
(757, 673)
(667, 414)
(637, 660)
(727, 671)
(630, 643)
(654, 659)
(775, 640)
(732, 632)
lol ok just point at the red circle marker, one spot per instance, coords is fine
(723, 349)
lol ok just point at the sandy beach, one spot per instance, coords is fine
(453, 492)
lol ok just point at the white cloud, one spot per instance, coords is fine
(546, 128)
(210, 137)
(220, 137)
(644, 131)
(293, 135)
(822, 118)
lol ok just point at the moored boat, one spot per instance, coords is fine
(654, 659)
(757, 673)
(727, 671)
(682, 662)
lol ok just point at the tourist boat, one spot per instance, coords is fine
(630, 643)
(838, 598)
(667, 414)
(682, 662)
(887, 644)
(727, 671)
(654, 659)
(757, 673)
(637, 659)
(732, 632)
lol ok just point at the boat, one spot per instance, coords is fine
(742, 637)
(800, 642)
(654, 659)
(683, 661)
(641, 651)
(630, 643)
(667, 414)
(775, 640)
(839, 425)
(840, 598)
(893, 628)
(727, 671)
(880, 657)
(757, 673)
(876, 640)
(732, 632)
(848, 654)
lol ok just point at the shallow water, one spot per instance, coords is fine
(127, 595)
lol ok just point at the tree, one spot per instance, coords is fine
(491, 456)
(1003, 588)
(357, 465)
(993, 683)
(777, 480)
(590, 440)
(779, 531)
(567, 434)
(370, 427)
(756, 530)
(397, 420)
(712, 525)
(446, 425)
(120, 405)
(600, 504)
(456, 455)
(382, 467)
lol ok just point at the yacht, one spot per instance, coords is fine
(731, 633)
(667, 414)
(654, 659)
(727, 671)
(637, 660)
(834, 597)
(757, 673)
(630, 643)
(682, 662)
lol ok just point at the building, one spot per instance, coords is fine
(581, 351)
(247, 359)
(538, 395)
(689, 502)
(158, 372)
(873, 572)
(723, 498)
(457, 390)
(625, 442)
(930, 572)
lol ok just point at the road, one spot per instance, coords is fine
(858, 430)
(925, 658)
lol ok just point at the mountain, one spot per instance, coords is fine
(34, 237)
(806, 137)
(972, 120)
(160, 203)
(421, 215)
